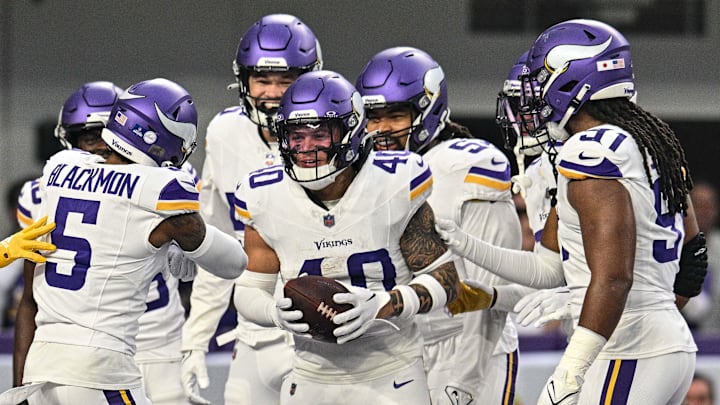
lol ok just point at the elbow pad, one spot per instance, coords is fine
(693, 267)
(220, 254)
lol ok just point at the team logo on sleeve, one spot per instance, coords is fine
(329, 220)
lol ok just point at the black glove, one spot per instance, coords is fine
(693, 267)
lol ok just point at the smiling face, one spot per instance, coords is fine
(312, 143)
(393, 124)
(267, 88)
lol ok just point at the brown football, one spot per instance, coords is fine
(313, 295)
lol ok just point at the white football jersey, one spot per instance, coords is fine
(651, 324)
(465, 170)
(28, 203)
(92, 290)
(233, 148)
(355, 242)
(162, 321)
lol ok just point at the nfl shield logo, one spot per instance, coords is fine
(329, 220)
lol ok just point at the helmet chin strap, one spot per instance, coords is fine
(557, 130)
(520, 182)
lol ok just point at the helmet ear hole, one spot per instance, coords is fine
(567, 87)
(590, 35)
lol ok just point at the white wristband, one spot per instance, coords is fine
(582, 349)
(437, 292)
(411, 301)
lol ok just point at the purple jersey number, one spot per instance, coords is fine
(83, 252)
(355, 264)
(661, 252)
(163, 294)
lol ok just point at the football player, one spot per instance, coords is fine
(537, 185)
(623, 199)
(116, 217)
(339, 210)
(271, 55)
(80, 123)
(472, 356)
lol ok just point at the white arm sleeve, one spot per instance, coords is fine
(220, 254)
(539, 269)
(254, 297)
(506, 296)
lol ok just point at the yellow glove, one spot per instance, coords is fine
(473, 297)
(23, 243)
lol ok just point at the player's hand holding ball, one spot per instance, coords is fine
(287, 317)
(356, 321)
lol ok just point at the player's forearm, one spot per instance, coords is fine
(425, 293)
(24, 333)
(24, 324)
(506, 296)
(539, 269)
(604, 304)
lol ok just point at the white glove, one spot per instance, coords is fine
(285, 318)
(561, 389)
(520, 184)
(179, 265)
(452, 235)
(543, 306)
(356, 321)
(194, 376)
(563, 386)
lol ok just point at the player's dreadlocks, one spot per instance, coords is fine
(454, 130)
(657, 139)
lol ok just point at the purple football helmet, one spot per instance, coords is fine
(153, 123)
(86, 109)
(324, 100)
(573, 62)
(275, 43)
(409, 76)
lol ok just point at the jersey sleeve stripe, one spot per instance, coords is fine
(575, 171)
(499, 180)
(241, 209)
(24, 216)
(174, 191)
(178, 205)
(491, 183)
(421, 183)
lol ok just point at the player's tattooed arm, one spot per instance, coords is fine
(421, 246)
(188, 230)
